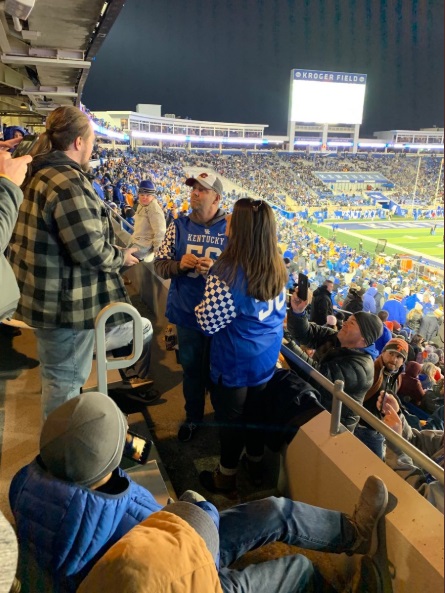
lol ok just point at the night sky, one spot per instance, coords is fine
(230, 60)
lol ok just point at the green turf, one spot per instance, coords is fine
(418, 240)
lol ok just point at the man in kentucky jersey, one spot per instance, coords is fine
(190, 247)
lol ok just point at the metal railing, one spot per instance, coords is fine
(123, 223)
(104, 364)
(339, 397)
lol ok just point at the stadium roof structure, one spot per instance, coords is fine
(46, 49)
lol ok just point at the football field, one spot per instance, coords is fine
(402, 237)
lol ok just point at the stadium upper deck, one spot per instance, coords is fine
(146, 129)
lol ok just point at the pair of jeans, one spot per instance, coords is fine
(239, 412)
(373, 439)
(248, 526)
(119, 341)
(194, 359)
(66, 357)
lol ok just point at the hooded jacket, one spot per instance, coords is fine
(429, 442)
(179, 561)
(62, 250)
(369, 305)
(353, 366)
(65, 528)
(411, 387)
(379, 297)
(8, 133)
(321, 305)
(414, 319)
(187, 235)
(383, 380)
(396, 311)
(353, 301)
(429, 326)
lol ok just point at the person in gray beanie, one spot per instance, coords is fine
(84, 440)
(347, 355)
(371, 327)
(74, 501)
(68, 523)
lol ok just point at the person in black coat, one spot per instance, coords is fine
(321, 305)
(354, 300)
(343, 355)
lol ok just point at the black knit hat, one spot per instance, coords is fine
(371, 326)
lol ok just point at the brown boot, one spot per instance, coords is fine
(219, 483)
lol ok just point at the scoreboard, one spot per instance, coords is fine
(322, 97)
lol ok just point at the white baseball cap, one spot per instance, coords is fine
(207, 180)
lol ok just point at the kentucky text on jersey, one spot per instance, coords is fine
(206, 239)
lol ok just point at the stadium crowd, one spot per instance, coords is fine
(365, 320)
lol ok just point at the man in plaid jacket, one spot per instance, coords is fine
(64, 257)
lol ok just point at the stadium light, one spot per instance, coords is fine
(307, 143)
(184, 138)
(372, 144)
(109, 133)
(418, 146)
(154, 136)
(340, 144)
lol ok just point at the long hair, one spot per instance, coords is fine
(252, 249)
(63, 126)
(429, 369)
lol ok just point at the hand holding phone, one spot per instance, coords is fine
(302, 287)
(137, 447)
(142, 252)
(25, 145)
(16, 169)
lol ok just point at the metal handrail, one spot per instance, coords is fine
(339, 397)
(102, 362)
(120, 218)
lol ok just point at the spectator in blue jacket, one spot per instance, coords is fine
(73, 502)
(369, 304)
(396, 311)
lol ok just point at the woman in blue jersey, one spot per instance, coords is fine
(243, 310)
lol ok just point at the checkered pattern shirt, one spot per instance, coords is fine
(217, 309)
(62, 250)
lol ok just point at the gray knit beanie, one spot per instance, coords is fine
(199, 520)
(371, 326)
(82, 440)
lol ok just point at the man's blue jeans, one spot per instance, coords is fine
(373, 439)
(66, 356)
(248, 526)
(194, 359)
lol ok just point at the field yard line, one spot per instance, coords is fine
(391, 245)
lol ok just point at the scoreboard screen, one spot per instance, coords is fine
(327, 97)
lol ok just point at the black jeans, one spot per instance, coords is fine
(239, 411)
(194, 358)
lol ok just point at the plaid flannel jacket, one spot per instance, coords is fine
(62, 251)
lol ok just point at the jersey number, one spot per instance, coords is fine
(277, 303)
(198, 250)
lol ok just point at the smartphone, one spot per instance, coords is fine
(25, 145)
(142, 252)
(382, 413)
(302, 287)
(137, 447)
